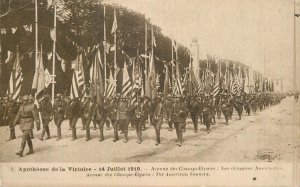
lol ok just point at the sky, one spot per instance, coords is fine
(258, 33)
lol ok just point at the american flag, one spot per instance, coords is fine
(77, 85)
(216, 87)
(126, 84)
(110, 86)
(15, 81)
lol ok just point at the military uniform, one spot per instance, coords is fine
(87, 112)
(247, 104)
(207, 113)
(158, 115)
(73, 113)
(113, 116)
(2, 110)
(100, 117)
(179, 113)
(26, 117)
(194, 111)
(254, 103)
(124, 116)
(58, 113)
(11, 110)
(148, 108)
(168, 106)
(225, 107)
(138, 118)
(45, 109)
(238, 105)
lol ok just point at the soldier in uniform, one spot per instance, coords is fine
(113, 115)
(212, 109)
(11, 110)
(158, 113)
(26, 117)
(87, 112)
(200, 106)
(148, 109)
(254, 103)
(100, 117)
(73, 113)
(124, 116)
(225, 107)
(45, 108)
(247, 103)
(207, 117)
(168, 105)
(138, 118)
(238, 105)
(194, 111)
(58, 113)
(179, 113)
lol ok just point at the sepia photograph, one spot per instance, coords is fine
(150, 82)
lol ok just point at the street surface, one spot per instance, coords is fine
(269, 136)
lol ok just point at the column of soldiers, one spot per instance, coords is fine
(118, 111)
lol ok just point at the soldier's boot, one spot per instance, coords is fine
(125, 137)
(101, 135)
(195, 126)
(42, 136)
(139, 134)
(29, 142)
(170, 126)
(74, 137)
(58, 133)
(23, 143)
(48, 133)
(88, 136)
(83, 127)
(116, 138)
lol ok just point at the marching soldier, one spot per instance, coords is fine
(148, 111)
(88, 108)
(113, 115)
(254, 103)
(200, 107)
(207, 112)
(73, 113)
(168, 106)
(247, 104)
(225, 107)
(179, 114)
(194, 110)
(45, 108)
(138, 118)
(26, 117)
(238, 105)
(100, 117)
(124, 116)
(58, 113)
(158, 114)
(212, 109)
(10, 113)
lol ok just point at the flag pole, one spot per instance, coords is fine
(115, 52)
(36, 33)
(172, 68)
(54, 55)
(146, 48)
(104, 48)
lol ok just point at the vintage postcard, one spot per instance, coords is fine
(149, 93)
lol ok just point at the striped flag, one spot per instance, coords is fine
(15, 81)
(111, 86)
(178, 90)
(216, 87)
(167, 82)
(115, 24)
(77, 86)
(126, 84)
